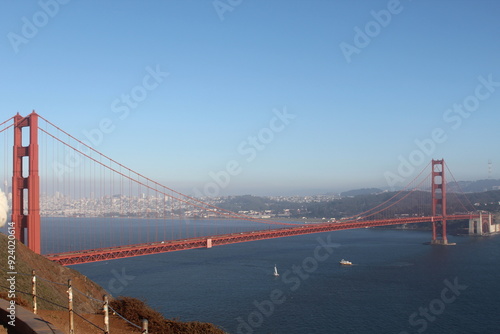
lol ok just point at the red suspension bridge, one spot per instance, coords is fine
(92, 208)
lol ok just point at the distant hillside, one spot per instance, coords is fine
(474, 186)
(364, 191)
(252, 203)
(416, 203)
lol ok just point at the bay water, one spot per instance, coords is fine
(396, 284)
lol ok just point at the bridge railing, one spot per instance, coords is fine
(103, 304)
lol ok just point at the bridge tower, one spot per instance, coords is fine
(438, 201)
(26, 182)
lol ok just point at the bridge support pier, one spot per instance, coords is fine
(485, 224)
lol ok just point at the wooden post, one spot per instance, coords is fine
(106, 314)
(70, 308)
(144, 326)
(33, 290)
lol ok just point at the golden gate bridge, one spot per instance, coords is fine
(96, 209)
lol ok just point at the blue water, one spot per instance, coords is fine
(396, 285)
(62, 234)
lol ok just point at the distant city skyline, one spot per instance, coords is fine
(263, 97)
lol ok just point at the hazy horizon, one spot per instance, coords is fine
(261, 97)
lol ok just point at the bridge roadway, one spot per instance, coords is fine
(119, 252)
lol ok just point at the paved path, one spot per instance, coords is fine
(26, 321)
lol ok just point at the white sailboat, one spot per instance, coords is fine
(276, 271)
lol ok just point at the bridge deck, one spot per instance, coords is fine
(102, 254)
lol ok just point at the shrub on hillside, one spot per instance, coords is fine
(135, 310)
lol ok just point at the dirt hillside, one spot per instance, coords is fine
(52, 280)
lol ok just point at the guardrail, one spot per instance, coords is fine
(71, 290)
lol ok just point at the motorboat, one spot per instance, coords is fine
(345, 262)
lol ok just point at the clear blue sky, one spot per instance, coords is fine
(360, 81)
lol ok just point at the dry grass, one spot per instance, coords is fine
(26, 261)
(18, 300)
(54, 311)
